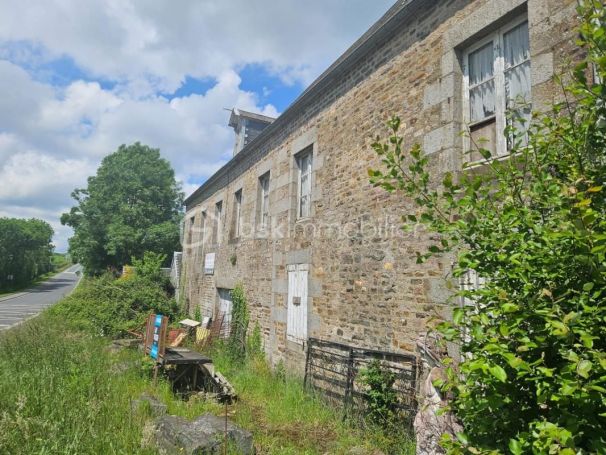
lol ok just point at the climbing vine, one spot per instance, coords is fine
(240, 317)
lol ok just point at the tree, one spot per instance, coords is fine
(131, 206)
(25, 250)
(532, 377)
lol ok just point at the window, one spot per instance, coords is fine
(470, 281)
(190, 232)
(203, 230)
(497, 77)
(296, 317)
(264, 201)
(225, 310)
(218, 218)
(597, 79)
(237, 213)
(304, 164)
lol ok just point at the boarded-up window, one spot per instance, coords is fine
(304, 165)
(296, 324)
(497, 74)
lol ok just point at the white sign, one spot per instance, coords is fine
(209, 263)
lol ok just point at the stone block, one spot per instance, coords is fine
(204, 435)
(149, 404)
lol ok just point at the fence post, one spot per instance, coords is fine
(307, 361)
(350, 380)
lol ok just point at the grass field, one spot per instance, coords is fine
(63, 392)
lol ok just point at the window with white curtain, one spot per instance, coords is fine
(497, 79)
(304, 164)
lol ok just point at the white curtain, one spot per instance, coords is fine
(481, 71)
(517, 73)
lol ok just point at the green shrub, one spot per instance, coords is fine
(381, 398)
(109, 306)
(532, 378)
(150, 266)
(254, 343)
(239, 323)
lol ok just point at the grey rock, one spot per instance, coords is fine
(154, 406)
(202, 436)
(127, 342)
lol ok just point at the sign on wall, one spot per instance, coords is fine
(209, 263)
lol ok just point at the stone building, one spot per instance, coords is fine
(293, 217)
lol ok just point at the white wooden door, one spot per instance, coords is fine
(225, 306)
(296, 323)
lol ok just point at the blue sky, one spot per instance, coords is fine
(81, 78)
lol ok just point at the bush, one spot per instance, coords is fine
(239, 323)
(381, 398)
(534, 228)
(150, 267)
(109, 306)
(254, 344)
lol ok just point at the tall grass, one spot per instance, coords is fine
(287, 419)
(63, 392)
(59, 394)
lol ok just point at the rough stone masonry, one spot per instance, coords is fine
(320, 253)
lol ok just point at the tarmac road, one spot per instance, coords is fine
(16, 308)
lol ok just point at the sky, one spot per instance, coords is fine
(80, 78)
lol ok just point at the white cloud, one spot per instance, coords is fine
(162, 41)
(60, 138)
(53, 136)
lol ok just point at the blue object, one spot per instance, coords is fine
(154, 347)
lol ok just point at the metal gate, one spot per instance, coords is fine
(333, 369)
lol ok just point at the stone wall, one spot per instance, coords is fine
(365, 287)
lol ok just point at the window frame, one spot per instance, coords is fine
(237, 214)
(299, 157)
(499, 71)
(218, 234)
(190, 233)
(263, 213)
(203, 228)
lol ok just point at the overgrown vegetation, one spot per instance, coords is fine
(381, 397)
(240, 317)
(110, 307)
(532, 378)
(130, 206)
(63, 392)
(286, 419)
(59, 394)
(26, 251)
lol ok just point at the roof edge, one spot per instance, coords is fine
(356, 51)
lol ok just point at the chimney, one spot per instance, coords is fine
(247, 126)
